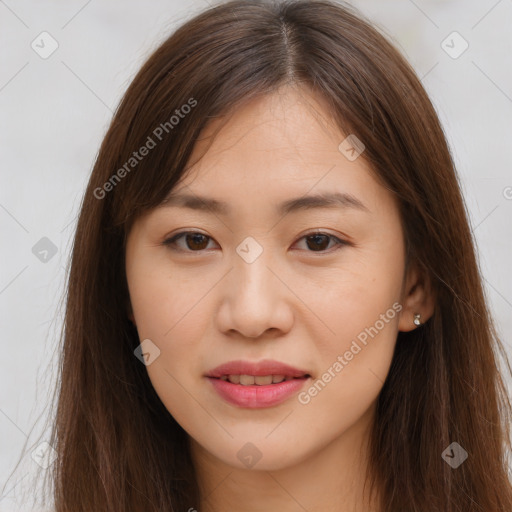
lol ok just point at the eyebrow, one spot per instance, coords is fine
(331, 200)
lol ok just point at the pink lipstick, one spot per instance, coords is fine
(256, 385)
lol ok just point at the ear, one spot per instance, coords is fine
(418, 298)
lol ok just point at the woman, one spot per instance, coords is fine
(274, 300)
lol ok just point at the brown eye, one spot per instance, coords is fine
(319, 242)
(197, 242)
(194, 241)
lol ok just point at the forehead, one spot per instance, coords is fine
(281, 149)
(286, 123)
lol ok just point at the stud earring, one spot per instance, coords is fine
(417, 319)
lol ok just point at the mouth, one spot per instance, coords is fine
(257, 385)
(257, 373)
(259, 380)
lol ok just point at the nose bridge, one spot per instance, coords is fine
(253, 283)
(254, 299)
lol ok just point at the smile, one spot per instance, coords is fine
(257, 392)
(258, 380)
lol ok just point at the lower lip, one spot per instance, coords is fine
(256, 397)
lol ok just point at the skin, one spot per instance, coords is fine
(298, 303)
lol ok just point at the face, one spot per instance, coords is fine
(310, 291)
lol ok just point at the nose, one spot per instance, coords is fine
(254, 300)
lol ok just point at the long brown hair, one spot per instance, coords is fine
(118, 447)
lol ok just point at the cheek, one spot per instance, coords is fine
(168, 303)
(355, 361)
(356, 295)
(171, 313)
(361, 308)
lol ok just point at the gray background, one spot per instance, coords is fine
(55, 112)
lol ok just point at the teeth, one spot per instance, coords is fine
(246, 380)
(251, 380)
(263, 380)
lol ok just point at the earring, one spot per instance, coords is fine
(417, 319)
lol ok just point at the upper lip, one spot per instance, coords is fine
(265, 367)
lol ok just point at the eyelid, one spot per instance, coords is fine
(169, 241)
(340, 242)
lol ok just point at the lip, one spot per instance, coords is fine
(265, 367)
(255, 396)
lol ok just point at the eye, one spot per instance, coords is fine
(197, 242)
(194, 241)
(319, 241)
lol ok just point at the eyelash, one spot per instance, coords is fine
(171, 242)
